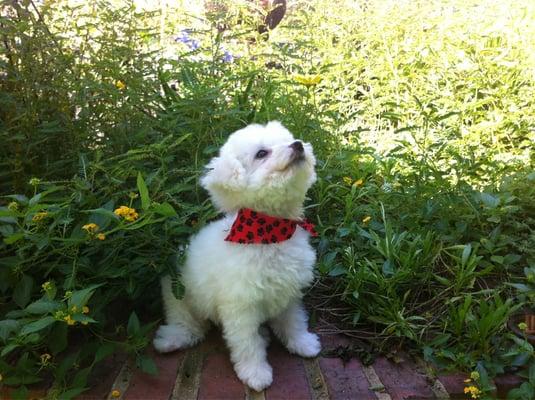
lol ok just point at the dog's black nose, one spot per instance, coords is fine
(297, 146)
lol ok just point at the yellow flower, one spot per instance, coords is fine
(90, 228)
(45, 358)
(474, 375)
(85, 322)
(35, 181)
(522, 326)
(68, 319)
(347, 180)
(13, 206)
(127, 213)
(133, 195)
(120, 85)
(115, 393)
(47, 286)
(308, 80)
(39, 216)
(366, 219)
(358, 182)
(68, 294)
(85, 309)
(101, 236)
(74, 309)
(473, 390)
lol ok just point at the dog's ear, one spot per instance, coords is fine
(224, 173)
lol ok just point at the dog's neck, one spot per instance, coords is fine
(276, 210)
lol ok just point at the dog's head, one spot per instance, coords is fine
(263, 168)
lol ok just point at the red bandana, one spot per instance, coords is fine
(254, 227)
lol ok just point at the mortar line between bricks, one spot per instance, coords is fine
(122, 381)
(437, 387)
(375, 382)
(439, 390)
(251, 394)
(316, 380)
(189, 376)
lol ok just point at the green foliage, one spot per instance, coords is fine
(422, 122)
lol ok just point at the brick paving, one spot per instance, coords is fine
(205, 373)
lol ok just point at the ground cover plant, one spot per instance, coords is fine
(422, 117)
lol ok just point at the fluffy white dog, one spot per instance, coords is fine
(241, 285)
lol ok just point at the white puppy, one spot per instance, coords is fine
(238, 285)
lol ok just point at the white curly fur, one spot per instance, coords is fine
(242, 286)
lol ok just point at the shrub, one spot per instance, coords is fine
(422, 122)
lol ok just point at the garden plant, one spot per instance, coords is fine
(422, 117)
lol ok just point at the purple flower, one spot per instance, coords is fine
(227, 57)
(194, 44)
(185, 38)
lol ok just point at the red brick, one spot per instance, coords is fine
(402, 381)
(6, 393)
(506, 382)
(218, 379)
(345, 381)
(454, 384)
(102, 378)
(289, 376)
(159, 386)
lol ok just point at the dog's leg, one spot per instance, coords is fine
(183, 329)
(291, 328)
(247, 347)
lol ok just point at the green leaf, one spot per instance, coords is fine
(23, 291)
(531, 374)
(18, 197)
(146, 364)
(337, 270)
(65, 365)
(35, 199)
(6, 230)
(4, 212)
(104, 215)
(489, 200)
(13, 238)
(466, 254)
(165, 209)
(21, 393)
(79, 298)
(101, 211)
(143, 192)
(497, 259)
(7, 326)
(43, 306)
(388, 268)
(104, 351)
(133, 325)
(37, 325)
(8, 349)
(80, 379)
(57, 339)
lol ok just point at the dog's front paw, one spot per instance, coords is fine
(171, 337)
(306, 345)
(257, 376)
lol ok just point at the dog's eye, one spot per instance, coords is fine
(261, 154)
